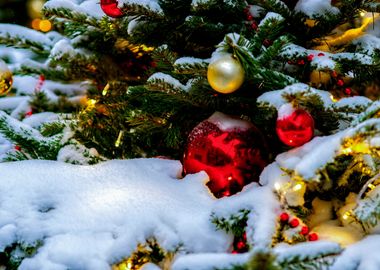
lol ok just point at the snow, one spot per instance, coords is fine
(315, 7)
(276, 97)
(104, 211)
(23, 33)
(285, 111)
(90, 7)
(151, 5)
(352, 102)
(362, 256)
(165, 78)
(226, 123)
(208, 261)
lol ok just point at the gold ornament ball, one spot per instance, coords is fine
(6, 79)
(225, 75)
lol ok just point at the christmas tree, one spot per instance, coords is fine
(203, 134)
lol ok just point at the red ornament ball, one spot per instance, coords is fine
(231, 151)
(111, 9)
(294, 127)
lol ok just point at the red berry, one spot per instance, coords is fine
(348, 91)
(267, 42)
(240, 245)
(234, 252)
(304, 230)
(29, 113)
(301, 62)
(294, 223)
(290, 62)
(340, 83)
(321, 54)
(310, 57)
(17, 147)
(313, 237)
(245, 236)
(249, 17)
(334, 74)
(254, 26)
(284, 217)
(246, 10)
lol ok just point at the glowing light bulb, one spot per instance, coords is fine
(118, 141)
(371, 186)
(105, 89)
(277, 186)
(297, 187)
(346, 215)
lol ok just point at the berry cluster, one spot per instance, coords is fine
(294, 223)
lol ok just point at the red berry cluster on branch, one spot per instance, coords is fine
(295, 223)
(240, 244)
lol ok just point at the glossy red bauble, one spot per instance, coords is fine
(294, 127)
(111, 9)
(231, 151)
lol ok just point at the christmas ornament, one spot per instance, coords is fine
(231, 151)
(6, 79)
(111, 9)
(294, 127)
(225, 74)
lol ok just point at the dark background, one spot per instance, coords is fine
(14, 11)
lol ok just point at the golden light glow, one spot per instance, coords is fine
(36, 24)
(371, 186)
(91, 103)
(45, 25)
(34, 8)
(118, 141)
(346, 215)
(105, 89)
(333, 99)
(297, 187)
(346, 37)
(277, 186)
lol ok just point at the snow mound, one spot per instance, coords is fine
(89, 217)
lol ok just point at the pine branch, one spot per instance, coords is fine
(32, 143)
(235, 223)
(70, 15)
(134, 8)
(10, 36)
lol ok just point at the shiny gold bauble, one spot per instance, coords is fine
(225, 74)
(6, 79)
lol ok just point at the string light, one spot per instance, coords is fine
(105, 89)
(277, 186)
(346, 215)
(118, 141)
(298, 187)
(333, 99)
(371, 186)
